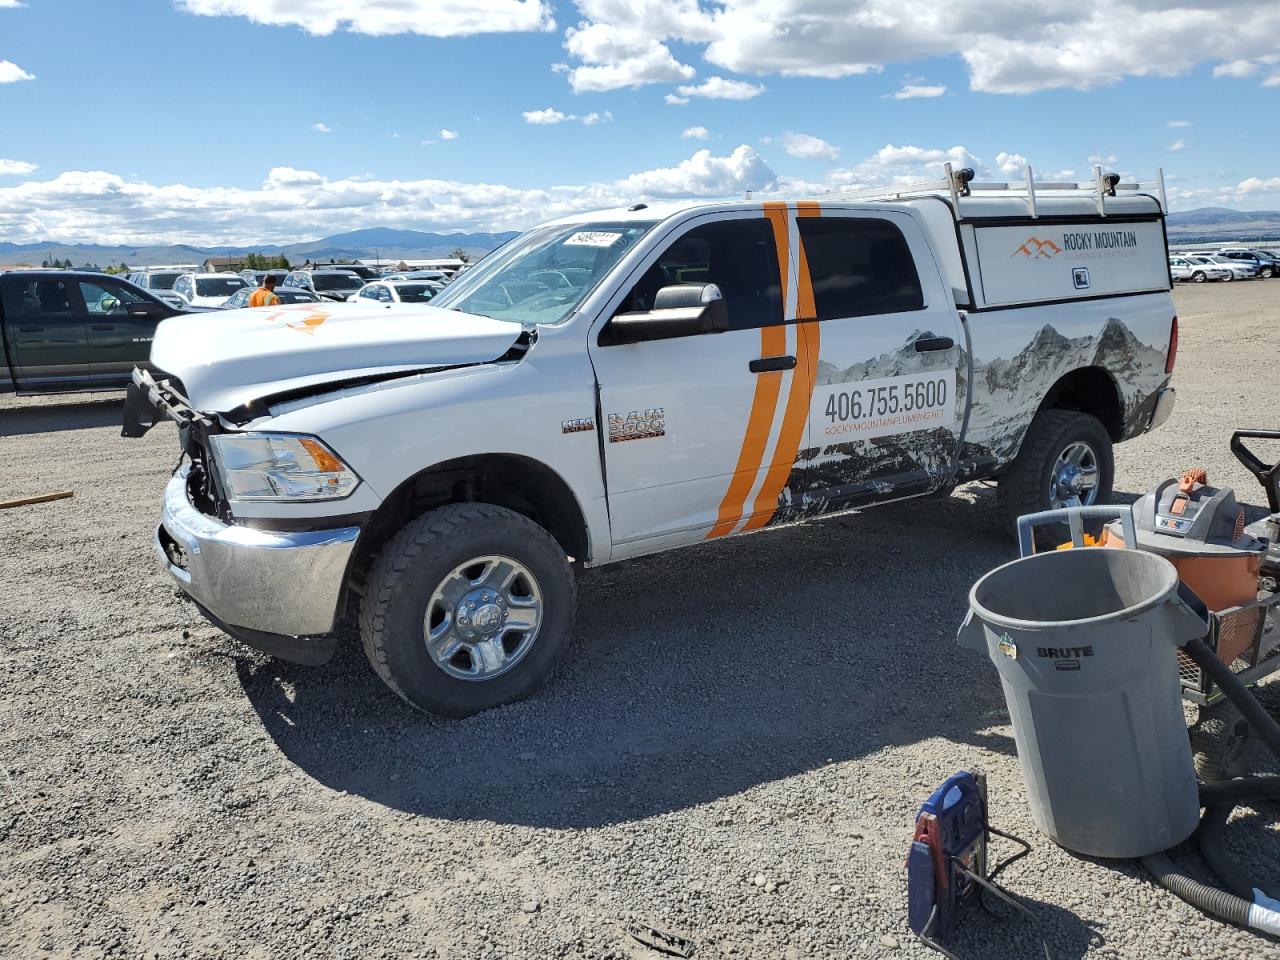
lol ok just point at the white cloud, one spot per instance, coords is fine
(672, 100)
(322, 128)
(689, 133)
(447, 134)
(293, 204)
(614, 57)
(431, 18)
(1010, 46)
(1235, 68)
(1011, 163)
(808, 147)
(1103, 161)
(718, 88)
(1175, 124)
(1258, 185)
(913, 91)
(1272, 81)
(546, 117)
(551, 116)
(1179, 144)
(11, 73)
(10, 4)
(15, 168)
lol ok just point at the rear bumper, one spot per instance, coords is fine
(1164, 407)
(268, 582)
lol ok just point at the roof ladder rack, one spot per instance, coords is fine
(960, 183)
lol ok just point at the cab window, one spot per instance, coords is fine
(859, 267)
(106, 298)
(737, 255)
(37, 298)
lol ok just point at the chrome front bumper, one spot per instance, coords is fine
(281, 583)
(1164, 407)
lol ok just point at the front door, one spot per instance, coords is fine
(46, 337)
(888, 401)
(700, 433)
(118, 341)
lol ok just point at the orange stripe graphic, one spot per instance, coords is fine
(795, 419)
(764, 401)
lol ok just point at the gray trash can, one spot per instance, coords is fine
(1084, 641)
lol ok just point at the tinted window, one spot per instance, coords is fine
(162, 281)
(415, 293)
(218, 286)
(37, 298)
(336, 281)
(102, 298)
(736, 255)
(859, 267)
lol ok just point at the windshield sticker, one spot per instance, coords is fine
(593, 238)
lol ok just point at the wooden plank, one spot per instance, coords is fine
(38, 498)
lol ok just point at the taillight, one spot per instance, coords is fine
(1173, 348)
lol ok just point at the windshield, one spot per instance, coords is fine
(336, 281)
(542, 276)
(218, 286)
(162, 281)
(415, 292)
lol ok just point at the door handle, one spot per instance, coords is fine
(925, 344)
(103, 326)
(769, 364)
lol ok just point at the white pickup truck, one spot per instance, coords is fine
(631, 381)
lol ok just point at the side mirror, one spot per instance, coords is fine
(680, 310)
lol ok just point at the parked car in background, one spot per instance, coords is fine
(207, 291)
(74, 330)
(286, 294)
(160, 284)
(254, 278)
(1240, 269)
(439, 276)
(398, 291)
(326, 284)
(1267, 266)
(359, 269)
(1182, 268)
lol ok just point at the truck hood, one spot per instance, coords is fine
(233, 357)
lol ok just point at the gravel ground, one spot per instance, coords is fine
(735, 750)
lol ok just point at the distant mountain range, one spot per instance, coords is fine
(1222, 223)
(374, 241)
(1205, 224)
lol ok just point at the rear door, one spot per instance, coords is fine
(118, 340)
(45, 334)
(889, 393)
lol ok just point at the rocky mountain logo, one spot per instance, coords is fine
(1037, 249)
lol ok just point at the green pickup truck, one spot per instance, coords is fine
(66, 330)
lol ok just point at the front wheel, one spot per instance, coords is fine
(1198, 277)
(1268, 272)
(1066, 461)
(468, 607)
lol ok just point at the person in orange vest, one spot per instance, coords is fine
(265, 295)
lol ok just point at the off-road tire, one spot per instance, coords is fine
(1024, 488)
(414, 562)
(1220, 742)
(1198, 277)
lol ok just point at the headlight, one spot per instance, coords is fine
(279, 466)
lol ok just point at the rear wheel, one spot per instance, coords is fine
(1229, 277)
(1065, 461)
(468, 607)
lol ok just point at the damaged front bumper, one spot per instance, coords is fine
(272, 590)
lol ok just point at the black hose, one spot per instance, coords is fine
(1236, 692)
(1219, 799)
(1221, 904)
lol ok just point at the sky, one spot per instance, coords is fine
(237, 121)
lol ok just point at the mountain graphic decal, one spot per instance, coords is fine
(1037, 249)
